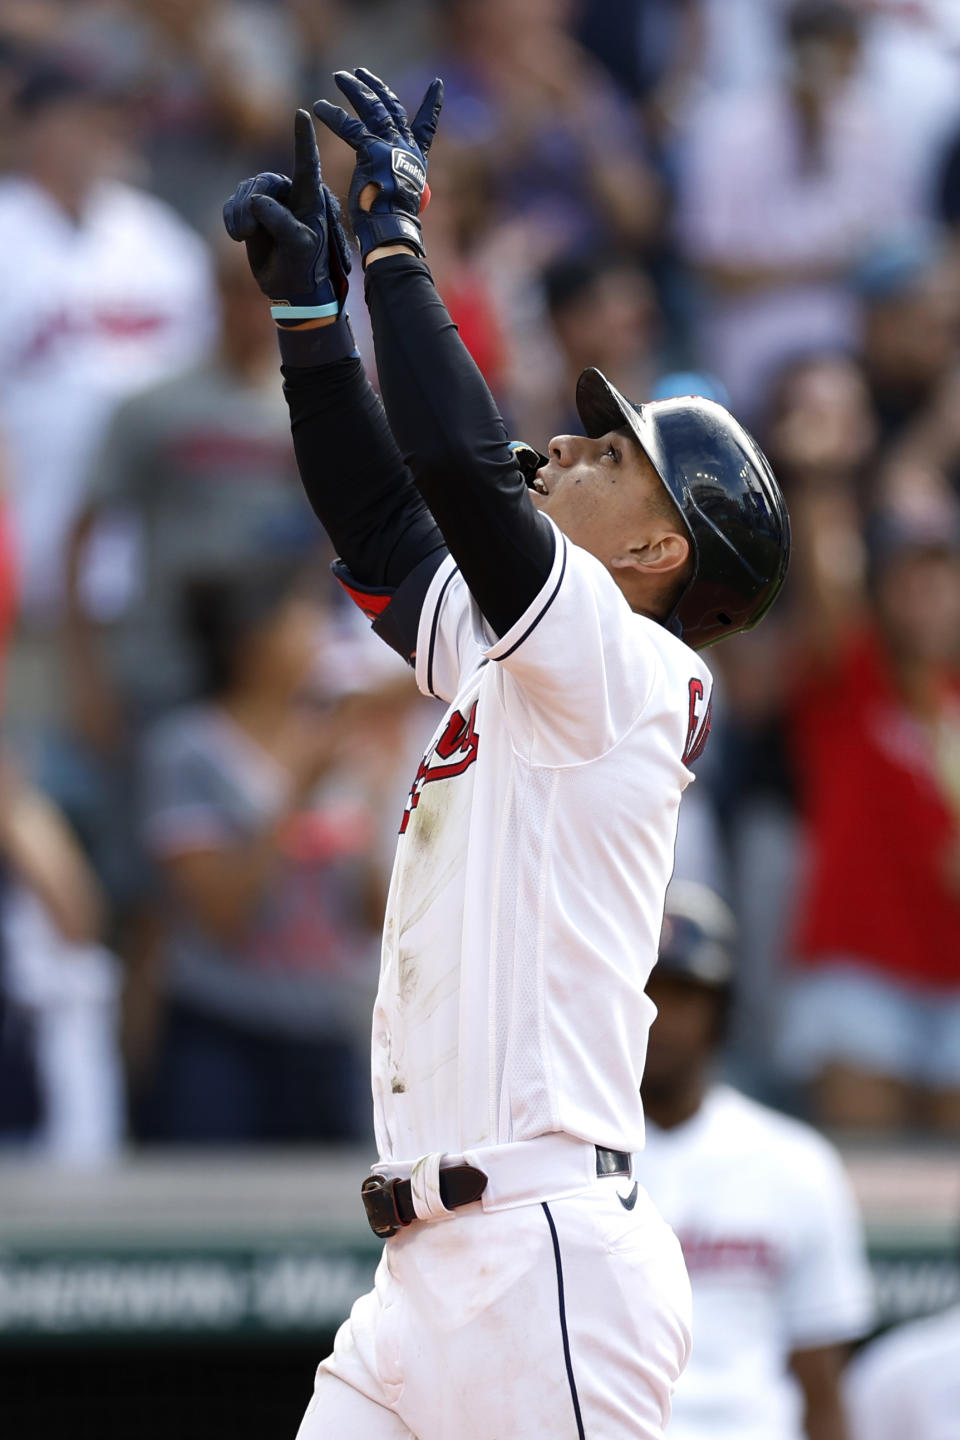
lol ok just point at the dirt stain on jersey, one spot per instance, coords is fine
(424, 823)
(397, 1086)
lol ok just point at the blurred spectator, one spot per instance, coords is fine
(103, 290)
(196, 474)
(873, 1017)
(58, 981)
(202, 468)
(271, 905)
(569, 157)
(782, 190)
(761, 1206)
(931, 444)
(907, 1383)
(910, 296)
(457, 227)
(601, 311)
(947, 199)
(909, 58)
(339, 34)
(60, 1078)
(821, 433)
(215, 79)
(652, 48)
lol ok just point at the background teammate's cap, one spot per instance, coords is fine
(722, 484)
(698, 935)
(690, 382)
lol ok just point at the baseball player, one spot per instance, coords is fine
(761, 1206)
(541, 598)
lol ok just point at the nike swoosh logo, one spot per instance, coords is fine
(628, 1201)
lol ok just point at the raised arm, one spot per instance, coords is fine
(351, 468)
(440, 409)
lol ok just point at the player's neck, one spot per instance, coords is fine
(670, 1108)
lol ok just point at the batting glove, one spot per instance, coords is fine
(295, 242)
(391, 154)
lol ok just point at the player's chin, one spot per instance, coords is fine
(539, 500)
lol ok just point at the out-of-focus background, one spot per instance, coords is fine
(205, 754)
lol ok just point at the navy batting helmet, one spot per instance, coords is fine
(698, 935)
(726, 493)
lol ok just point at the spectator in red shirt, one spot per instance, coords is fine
(874, 1015)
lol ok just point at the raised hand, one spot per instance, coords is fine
(391, 157)
(295, 242)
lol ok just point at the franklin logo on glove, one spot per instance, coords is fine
(408, 168)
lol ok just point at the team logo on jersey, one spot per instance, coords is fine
(698, 723)
(454, 752)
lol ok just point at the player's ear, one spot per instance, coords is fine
(665, 556)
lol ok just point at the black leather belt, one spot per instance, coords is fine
(389, 1201)
(613, 1162)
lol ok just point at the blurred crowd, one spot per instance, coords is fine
(205, 753)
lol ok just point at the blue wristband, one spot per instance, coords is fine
(304, 312)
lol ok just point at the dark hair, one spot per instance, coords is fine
(47, 77)
(828, 19)
(569, 279)
(222, 611)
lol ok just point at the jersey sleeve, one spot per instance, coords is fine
(828, 1288)
(446, 643)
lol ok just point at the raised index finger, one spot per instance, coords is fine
(306, 165)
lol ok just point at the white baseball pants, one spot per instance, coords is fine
(563, 1320)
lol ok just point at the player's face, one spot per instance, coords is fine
(684, 1034)
(601, 493)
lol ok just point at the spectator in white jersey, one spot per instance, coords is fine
(103, 290)
(760, 1203)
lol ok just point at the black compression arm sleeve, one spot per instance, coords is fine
(447, 426)
(354, 475)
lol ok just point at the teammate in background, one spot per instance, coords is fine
(760, 1203)
(906, 1385)
(515, 1297)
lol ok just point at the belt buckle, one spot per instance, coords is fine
(380, 1203)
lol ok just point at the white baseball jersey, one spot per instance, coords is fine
(89, 312)
(774, 1249)
(906, 1385)
(535, 849)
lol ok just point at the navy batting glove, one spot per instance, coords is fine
(391, 154)
(295, 242)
